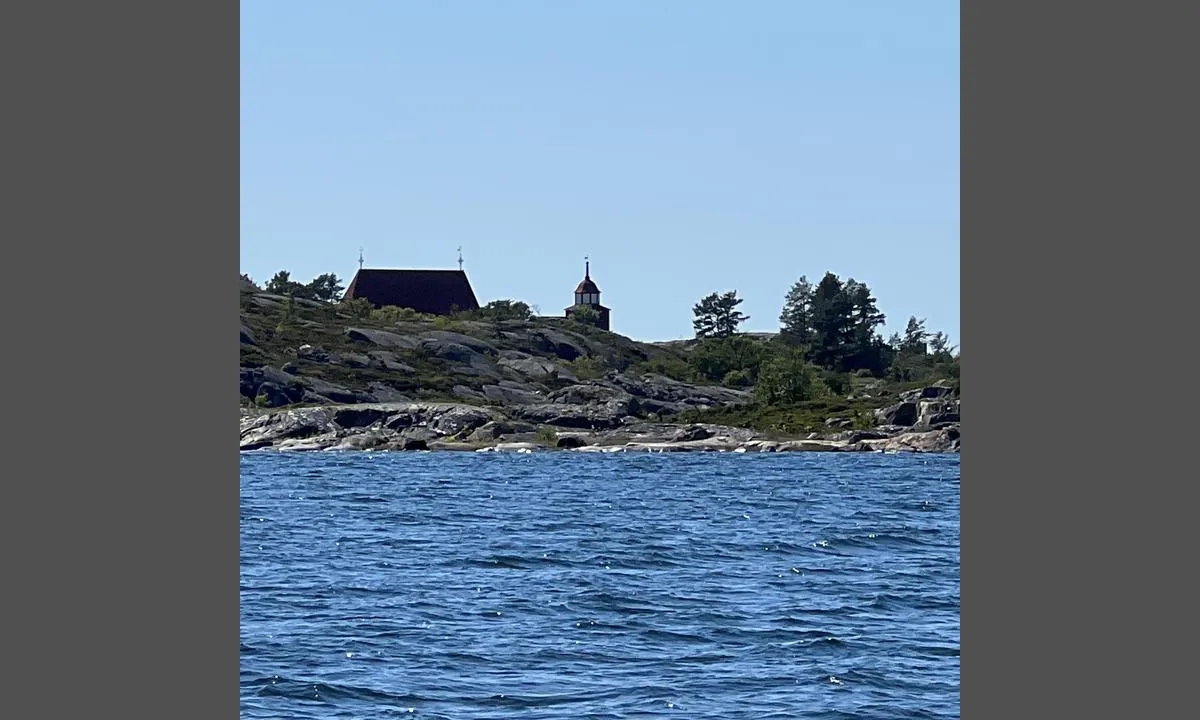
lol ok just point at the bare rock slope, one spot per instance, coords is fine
(315, 377)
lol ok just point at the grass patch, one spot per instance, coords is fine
(787, 420)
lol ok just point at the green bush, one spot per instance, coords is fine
(666, 366)
(588, 368)
(863, 420)
(837, 383)
(447, 322)
(737, 378)
(715, 358)
(787, 378)
(505, 310)
(585, 315)
(359, 307)
(390, 314)
(635, 407)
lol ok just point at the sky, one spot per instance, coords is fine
(685, 146)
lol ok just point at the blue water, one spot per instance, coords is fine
(568, 585)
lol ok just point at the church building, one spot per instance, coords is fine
(435, 292)
(587, 295)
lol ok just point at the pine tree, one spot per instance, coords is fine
(716, 315)
(795, 321)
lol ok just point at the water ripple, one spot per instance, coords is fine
(599, 586)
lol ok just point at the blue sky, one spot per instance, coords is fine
(686, 147)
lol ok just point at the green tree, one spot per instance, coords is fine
(940, 347)
(786, 377)
(795, 321)
(921, 355)
(864, 311)
(837, 322)
(506, 310)
(716, 315)
(865, 349)
(915, 341)
(326, 288)
(585, 314)
(715, 358)
(831, 321)
(283, 284)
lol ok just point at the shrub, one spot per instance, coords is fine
(667, 366)
(391, 314)
(446, 322)
(585, 315)
(635, 407)
(360, 308)
(588, 368)
(715, 358)
(787, 378)
(836, 382)
(505, 310)
(737, 378)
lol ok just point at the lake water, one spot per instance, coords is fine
(570, 585)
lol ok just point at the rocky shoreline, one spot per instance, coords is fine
(419, 426)
(316, 379)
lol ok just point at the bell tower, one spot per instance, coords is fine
(587, 295)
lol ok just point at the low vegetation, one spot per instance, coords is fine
(827, 360)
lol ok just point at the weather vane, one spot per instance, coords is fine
(360, 258)
(460, 258)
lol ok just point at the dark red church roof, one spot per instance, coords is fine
(436, 292)
(587, 286)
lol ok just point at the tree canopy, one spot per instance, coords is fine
(585, 314)
(786, 377)
(506, 310)
(325, 287)
(828, 332)
(716, 315)
(835, 323)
